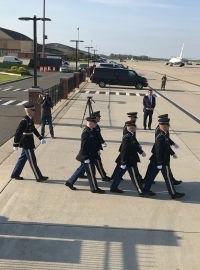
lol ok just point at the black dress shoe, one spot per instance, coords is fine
(149, 128)
(42, 179)
(98, 190)
(106, 179)
(83, 176)
(17, 177)
(145, 128)
(67, 184)
(116, 190)
(177, 195)
(147, 193)
(176, 182)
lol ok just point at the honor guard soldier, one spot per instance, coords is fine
(128, 159)
(160, 160)
(24, 139)
(149, 103)
(87, 155)
(172, 143)
(132, 116)
(100, 142)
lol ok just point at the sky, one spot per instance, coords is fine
(156, 28)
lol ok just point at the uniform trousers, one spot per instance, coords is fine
(136, 168)
(27, 154)
(99, 166)
(133, 173)
(148, 113)
(89, 168)
(46, 119)
(153, 171)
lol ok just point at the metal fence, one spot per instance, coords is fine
(55, 92)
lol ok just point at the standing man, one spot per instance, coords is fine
(163, 82)
(149, 103)
(160, 160)
(87, 156)
(24, 139)
(46, 117)
(128, 159)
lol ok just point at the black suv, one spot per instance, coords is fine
(117, 76)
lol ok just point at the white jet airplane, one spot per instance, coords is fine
(177, 60)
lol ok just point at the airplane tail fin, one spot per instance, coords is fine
(181, 54)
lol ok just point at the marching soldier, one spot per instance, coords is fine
(24, 139)
(132, 116)
(87, 155)
(100, 142)
(128, 159)
(160, 160)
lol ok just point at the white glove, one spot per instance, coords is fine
(99, 153)
(42, 141)
(15, 148)
(159, 167)
(123, 167)
(104, 144)
(176, 146)
(87, 161)
(143, 154)
(174, 156)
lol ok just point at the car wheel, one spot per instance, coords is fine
(139, 86)
(102, 84)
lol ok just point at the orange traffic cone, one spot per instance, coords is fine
(54, 69)
(49, 68)
(45, 69)
(41, 68)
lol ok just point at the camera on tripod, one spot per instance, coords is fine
(89, 106)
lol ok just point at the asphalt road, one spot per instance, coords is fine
(12, 97)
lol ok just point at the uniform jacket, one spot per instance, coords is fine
(89, 148)
(157, 131)
(147, 104)
(99, 137)
(129, 150)
(21, 138)
(125, 131)
(161, 149)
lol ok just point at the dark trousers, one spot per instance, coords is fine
(133, 173)
(116, 168)
(149, 168)
(27, 154)
(46, 119)
(147, 113)
(153, 171)
(99, 166)
(89, 168)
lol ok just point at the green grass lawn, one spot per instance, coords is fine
(9, 78)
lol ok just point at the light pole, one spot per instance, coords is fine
(94, 54)
(34, 19)
(89, 47)
(77, 43)
(44, 36)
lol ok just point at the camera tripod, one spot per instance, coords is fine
(89, 106)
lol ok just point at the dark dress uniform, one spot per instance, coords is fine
(24, 139)
(46, 117)
(89, 150)
(161, 156)
(128, 156)
(149, 103)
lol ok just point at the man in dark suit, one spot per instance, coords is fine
(149, 103)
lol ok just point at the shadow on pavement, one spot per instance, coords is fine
(48, 245)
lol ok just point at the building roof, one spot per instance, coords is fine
(15, 35)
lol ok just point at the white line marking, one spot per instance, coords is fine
(26, 90)
(117, 93)
(16, 89)
(8, 102)
(6, 89)
(137, 94)
(22, 103)
(107, 93)
(128, 94)
(97, 93)
(87, 92)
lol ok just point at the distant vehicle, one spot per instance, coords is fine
(82, 67)
(65, 63)
(64, 69)
(109, 65)
(117, 76)
(12, 59)
(177, 60)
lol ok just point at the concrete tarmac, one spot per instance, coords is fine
(48, 226)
